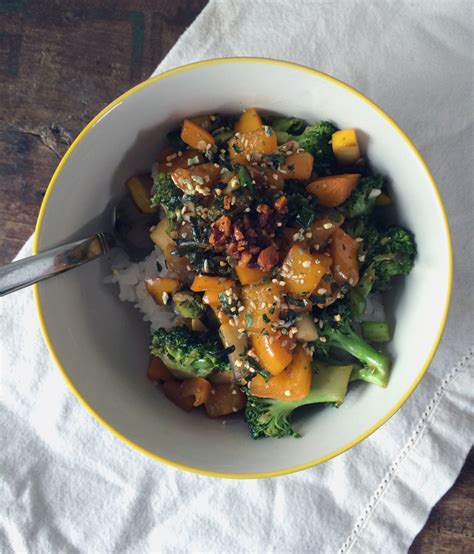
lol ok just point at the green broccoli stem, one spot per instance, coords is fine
(358, 294)
(376, 365)
(375, 331)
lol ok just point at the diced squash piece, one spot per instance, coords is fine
(157, 370)
(199, 178)
(307, 330)
(333, 190)
(211, 298)
(195, 136)
(302, 270)
(198, 388)
(231, 337)
(262, 306)
(346, 146)
(161, 238)
(294, 383)
(206, 283)
(298, 166)
(261, 141)
(345, 265)
(161, 289)
(250, 275)
(169, 159)
(173, 392)
(210, 173)
(273, 351)
(322, 229)
(249, 121)
(139, 188)
(160, 235)
(181, 177)
(225, 398)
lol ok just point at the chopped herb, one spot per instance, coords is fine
(237, 149)
(252, 362)
(248, 319)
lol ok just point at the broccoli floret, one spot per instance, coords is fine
(188, 304)
(336, 332)
(272, 418)
(189, 353)
(389, 254)
(362, 228)
(362, 200)
(317, 140)
(285, 126)
(164, 193)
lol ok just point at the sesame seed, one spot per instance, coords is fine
(306, 264)
(322, 339)
(287, 393)
(322, 291)
(328, 226)
(337, 317)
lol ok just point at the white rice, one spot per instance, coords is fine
(131, 277)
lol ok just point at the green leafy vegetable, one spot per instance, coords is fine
(266, 417)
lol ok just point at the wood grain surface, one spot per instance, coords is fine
(61, 62)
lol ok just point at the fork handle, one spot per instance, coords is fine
(26, 272)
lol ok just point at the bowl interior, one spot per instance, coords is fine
(102, 343)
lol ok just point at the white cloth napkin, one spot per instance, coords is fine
(67, 485)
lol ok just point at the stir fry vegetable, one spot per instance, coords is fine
(272, 232)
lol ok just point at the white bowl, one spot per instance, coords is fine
(101, 344)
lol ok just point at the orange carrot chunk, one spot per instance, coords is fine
(273, 351)
(333, 190)
(195, 136)
(345, 266)
(294, 383)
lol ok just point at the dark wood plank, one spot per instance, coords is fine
(60, 64)
(450, 527)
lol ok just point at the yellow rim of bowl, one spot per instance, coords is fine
(81, 136)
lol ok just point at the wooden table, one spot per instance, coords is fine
(58, 68)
